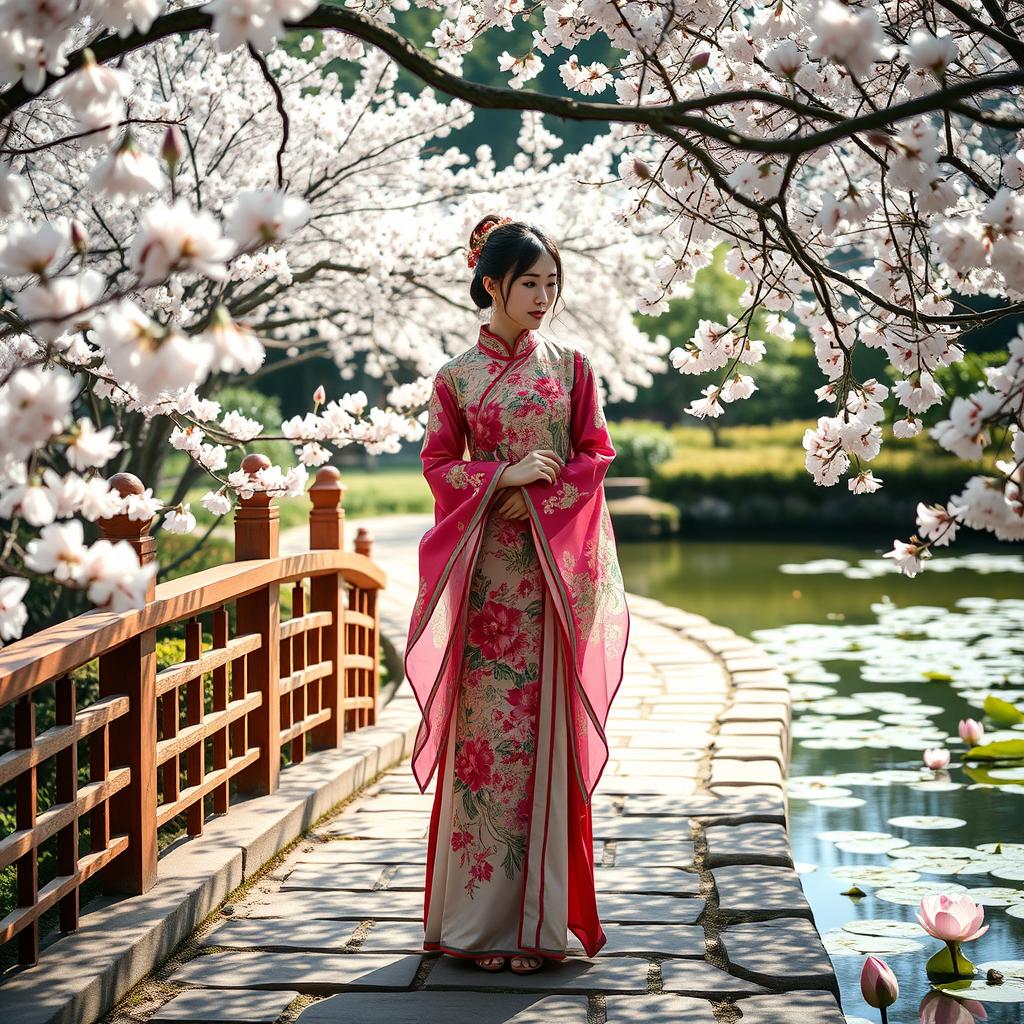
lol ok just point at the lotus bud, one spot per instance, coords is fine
(936, 759)
(971, 732)
(878, 984)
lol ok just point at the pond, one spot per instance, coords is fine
(882, 667)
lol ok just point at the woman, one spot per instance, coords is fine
(518, 635)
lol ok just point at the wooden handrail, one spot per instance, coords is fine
(60, 648)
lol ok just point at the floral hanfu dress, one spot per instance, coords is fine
(515, 651)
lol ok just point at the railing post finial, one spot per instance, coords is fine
(327, 517)
(364, 542)
(257, 519)
(135, 531)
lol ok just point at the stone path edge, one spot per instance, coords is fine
(73, 983)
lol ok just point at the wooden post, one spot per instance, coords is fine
(327, 594)
(131, 669)
(256, 536)
(371, 607)
(26, 800)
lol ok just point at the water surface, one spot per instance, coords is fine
(882, 666)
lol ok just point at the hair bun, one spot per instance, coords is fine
(478, 236)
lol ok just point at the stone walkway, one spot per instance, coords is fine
(705, 916)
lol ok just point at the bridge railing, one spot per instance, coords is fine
(172, 742)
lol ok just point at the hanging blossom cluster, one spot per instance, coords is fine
(217, 257)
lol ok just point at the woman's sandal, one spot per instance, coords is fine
(490, 963)
(527, 964)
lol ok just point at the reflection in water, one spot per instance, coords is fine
(883, 666)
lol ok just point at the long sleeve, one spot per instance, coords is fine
(453, 481)
(592, 450)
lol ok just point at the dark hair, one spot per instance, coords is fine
(509, 247)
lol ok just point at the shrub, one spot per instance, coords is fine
(640, 447)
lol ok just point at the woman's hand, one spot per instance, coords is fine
(544, 464)
(514, 505)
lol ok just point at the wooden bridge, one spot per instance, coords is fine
(247, 699)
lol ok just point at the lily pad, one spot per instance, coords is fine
(797, 791)
(839, 835)
(936, 787)
(873, 875)
(1016, 910)
(910, 895)
(843, 802)
(886, 845)
(1013, 872)
(940, 964)
(995, 896)
(938, 852)
(882, 927)
(838, 942)
(924, 821)
(1010, 991)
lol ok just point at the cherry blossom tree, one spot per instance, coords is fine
(145, 269)
(864, 162)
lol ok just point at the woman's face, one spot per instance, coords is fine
(531, 294)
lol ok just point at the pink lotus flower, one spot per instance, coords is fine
(878, 984)
(319, 396)
(971, 732)
(952, 918)
(936, 758)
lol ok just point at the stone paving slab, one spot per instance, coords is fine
(670, 881)
(700, 978)
(783, 952)
(393, 937)
(658, 1010)
(367, 851)
(334, 876)
(753, 843)
(244, 1007)
(265, 933)
(685, 940)
(634, 854)
(753, 890)
(791, 1008)
(446, 1008)
(346, 876)
(387, 825)
(343, 906)
(637, 827)
(621, 909)
(726, 771)
(737, 804)
(306, 972)
(574, 974)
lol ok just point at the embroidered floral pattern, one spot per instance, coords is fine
(496, 724)
(458, 478)
(565, 496)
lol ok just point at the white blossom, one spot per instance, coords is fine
(91, 447)
(179, 520)
(13, 614)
